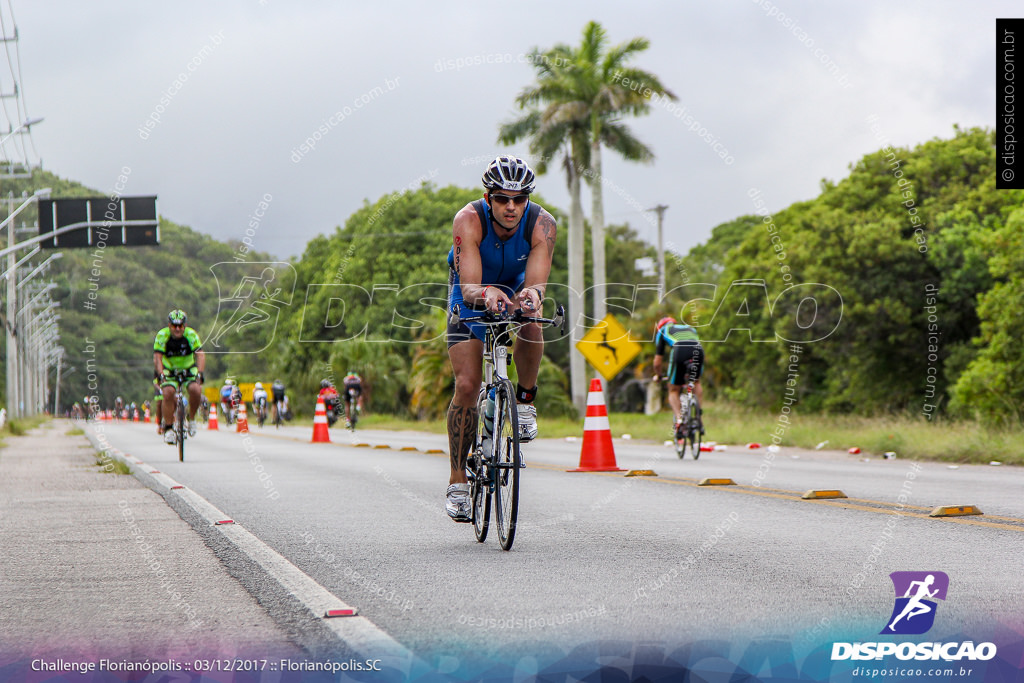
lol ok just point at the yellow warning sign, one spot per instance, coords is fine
(608, 347)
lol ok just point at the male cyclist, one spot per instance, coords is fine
(500, 260)
(227, 399)
(157, 402)
(177, 347)
(352, 393)
(279, 396)
(685, 363)
(329, 395)
(259, 402)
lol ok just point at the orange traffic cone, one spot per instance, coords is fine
(242, 424)
(320, 433)
(211, 423)
(597, 454)
(147, 414)
(135, 416)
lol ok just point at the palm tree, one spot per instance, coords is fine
(574, 108)
(561, 128)
(611, 90)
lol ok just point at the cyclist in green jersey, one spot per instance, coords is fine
(681, 343)
(177, 347)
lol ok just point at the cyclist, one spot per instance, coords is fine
(259, 402)
(227, 393)
(280, 397)
(353, 395)
(118, 408)
(157, 399)
(330, 397)
(686, 362)
(177, 347)
(500, 260)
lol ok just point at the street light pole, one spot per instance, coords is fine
(660, 208)
(13, 395)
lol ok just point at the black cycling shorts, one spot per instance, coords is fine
(686, 362)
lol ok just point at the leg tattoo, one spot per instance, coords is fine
(461, 433)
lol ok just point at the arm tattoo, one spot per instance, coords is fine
(548, 229)
(461, 434)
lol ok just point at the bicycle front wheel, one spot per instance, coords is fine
(506, 463)
(179, 429)
(480, 487)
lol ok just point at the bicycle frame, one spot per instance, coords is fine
(496, 474)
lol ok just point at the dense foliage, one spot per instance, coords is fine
(897, 289)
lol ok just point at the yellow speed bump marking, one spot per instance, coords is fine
(955, 511)
(641, 473)
(434, 450)
(361, 445)
(823, 494)
(382, 445)
(408, 448)
(711, 481)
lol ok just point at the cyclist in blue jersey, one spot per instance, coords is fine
(500, 260)
(686, 362)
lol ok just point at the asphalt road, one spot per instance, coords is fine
(598, 557)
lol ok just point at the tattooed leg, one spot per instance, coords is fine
(461, 434)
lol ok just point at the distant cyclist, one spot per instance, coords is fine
(279, 395)
(352, 388)
(686, 362)
(329, 395)
(227, 400)
(259, 402)
(177, 348)
(157, 402)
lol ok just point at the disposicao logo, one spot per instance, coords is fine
(912, 614)
(916, 592)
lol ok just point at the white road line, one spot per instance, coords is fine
(356, 633)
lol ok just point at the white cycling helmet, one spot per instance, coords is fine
(259, 385)
(509, 173)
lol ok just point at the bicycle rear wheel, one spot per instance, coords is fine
(680, 433)
(506, 463)
(695, 436)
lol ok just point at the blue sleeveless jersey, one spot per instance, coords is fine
(503, 262)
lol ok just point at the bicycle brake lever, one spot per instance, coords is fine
(559, 319)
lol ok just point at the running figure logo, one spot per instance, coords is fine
(914, 611)
(250, 297)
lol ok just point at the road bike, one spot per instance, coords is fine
(180, 377)
(688, 429)
(351, 409)
(494, 471)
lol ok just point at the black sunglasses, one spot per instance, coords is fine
(173, 324)
(503, 199)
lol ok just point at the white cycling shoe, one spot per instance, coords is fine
(458, 505)
(169, 437)
(527, 421)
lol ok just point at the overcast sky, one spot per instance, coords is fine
(785, 88)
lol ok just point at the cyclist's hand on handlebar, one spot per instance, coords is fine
(529, 302)
(656, 379)
(495, 300)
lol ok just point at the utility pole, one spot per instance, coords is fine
(660, 208)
